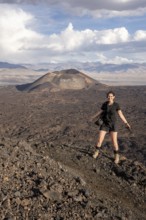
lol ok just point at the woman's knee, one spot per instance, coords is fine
(101, 138)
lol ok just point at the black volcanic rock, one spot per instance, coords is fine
(70, 79)
(46, 165)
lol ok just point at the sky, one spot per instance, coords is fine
(54, 31)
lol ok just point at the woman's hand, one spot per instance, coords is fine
(124, 119)
(128, 125)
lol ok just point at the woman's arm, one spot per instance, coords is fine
(120, 113)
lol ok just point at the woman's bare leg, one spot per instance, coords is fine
(114, 139)
(99, 143)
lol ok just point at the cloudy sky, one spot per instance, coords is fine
(38, 31)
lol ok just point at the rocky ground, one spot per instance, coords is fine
(46, 165)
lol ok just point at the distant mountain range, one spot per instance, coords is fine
(86, 66)
(11, 66)
(110, 74)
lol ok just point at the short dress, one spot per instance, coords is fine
(109, 116)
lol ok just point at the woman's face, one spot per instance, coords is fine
(110, 97)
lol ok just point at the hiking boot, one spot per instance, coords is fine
(96, 154)
(123, 158)
(117, 157)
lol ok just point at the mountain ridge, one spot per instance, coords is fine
(11, 66)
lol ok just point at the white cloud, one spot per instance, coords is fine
(92, 4)
(104, 4)
(15, 30)
(115, 60)
(105, 13)
(117, 45)
(100, 8)
(19, 42)
(140, 35)
(112, 36)
(73, 40)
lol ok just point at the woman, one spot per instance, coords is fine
(109, 110)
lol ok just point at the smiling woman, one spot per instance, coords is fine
(109, 111)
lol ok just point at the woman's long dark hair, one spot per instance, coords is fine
(110, 92)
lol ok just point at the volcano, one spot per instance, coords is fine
(70, 79)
